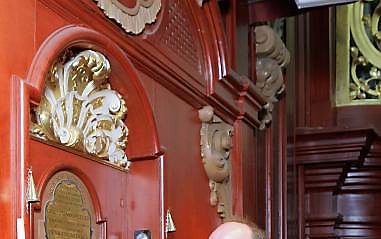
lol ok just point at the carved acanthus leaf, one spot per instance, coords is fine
(272, 55)
(216, 143)
(78, 108)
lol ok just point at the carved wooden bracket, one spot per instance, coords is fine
(272, 56)
(216, 143)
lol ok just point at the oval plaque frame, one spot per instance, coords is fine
(67, 209)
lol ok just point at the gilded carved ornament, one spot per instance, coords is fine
(216, 144)
(358, 64)
(78, 108)
(272, 56)
(132, 15)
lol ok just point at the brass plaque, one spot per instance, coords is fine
(65, 215)
(67, 210)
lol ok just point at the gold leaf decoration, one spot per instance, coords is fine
(79, 109)
(358, 62)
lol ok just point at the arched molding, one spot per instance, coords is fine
(74, 36)
(215, 45)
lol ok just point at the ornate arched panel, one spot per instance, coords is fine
(182, 61)
(105, 198)
(184, 47)
(123, 77)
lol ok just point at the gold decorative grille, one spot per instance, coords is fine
(358, 53)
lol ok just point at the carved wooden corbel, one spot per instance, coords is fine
(272, 56)
(216, 144)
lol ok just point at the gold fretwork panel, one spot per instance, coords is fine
(358, 53)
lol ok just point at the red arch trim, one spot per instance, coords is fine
(80, 36)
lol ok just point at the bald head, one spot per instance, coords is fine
(232, 230)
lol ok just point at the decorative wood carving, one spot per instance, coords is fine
(358, 51)
(269, 44)
(132, 15)
(216, 143)
(272, 55)
(80, 110)
(190, 83)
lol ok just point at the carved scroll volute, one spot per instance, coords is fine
(216, 144)
(272, 56)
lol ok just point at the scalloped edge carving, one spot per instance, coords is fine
(132, 20)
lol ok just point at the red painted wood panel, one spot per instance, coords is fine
(164, 86)
(186, 184)
(15, 22)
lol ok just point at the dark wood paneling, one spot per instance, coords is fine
(249, 165)
(268, 10)
(359, 116)
(339, 172)
(313, 68)
(338, 166)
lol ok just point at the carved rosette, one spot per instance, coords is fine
(272, 56)
(78, 108)
(216, 144)
(132, 15)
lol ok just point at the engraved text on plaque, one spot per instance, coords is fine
(65, 215)
(68, 211)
